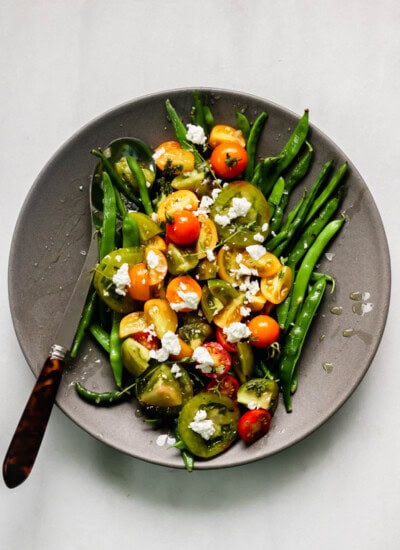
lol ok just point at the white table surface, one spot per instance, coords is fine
(63, 63)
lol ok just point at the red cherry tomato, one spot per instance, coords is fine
(264, 331)
(228, 160)
(147, 339)
(219, 333)
(182, 227)
(228, 385)
(222, 360)
(254, 424)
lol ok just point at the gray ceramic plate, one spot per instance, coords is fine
(52, 234)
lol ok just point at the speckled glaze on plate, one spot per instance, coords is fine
(52, 235)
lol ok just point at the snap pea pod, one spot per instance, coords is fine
(276, 195)
(84, 322)
(142, 184)
(181, 131)
(328, 191)
(295, 339)
(291, 148)
(278, 244)
(100, 335)
(312, 231)
(307, 266)
(121, 208)
(130, 232)
(261, 174)
(252, 142)
(104, 399)
(107, 243)
(119, 183)
(201, 113)
(243, 124)
(115, 350)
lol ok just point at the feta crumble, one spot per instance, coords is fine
(152, 259)
(240, 207)
(256, 251)
(190, 300)
(195, 134)
(203, 359)
(202, 425)
(258, 237)
(121, 279)
(236, 332)
(222, 219)
(176, 370)
(170, 345)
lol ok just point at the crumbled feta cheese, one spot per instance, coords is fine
(245, 311)
(121, 279)
(222, 220)
(170, 345)
(264, 227)
(203, 359)
(240, 207)
(152, 259)
(176, 370)
(210, 255)
(256, 251)
(204, 206)
(258, 237)
(215, 192)
(244, 271)
(195, 134)
(154, 217)
(236, 332)
(190, 300)
(202, 425)
(252, 405)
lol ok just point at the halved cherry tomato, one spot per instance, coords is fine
(254, 424)
(132, 323)
(139, 288)
(221, 133)
(276, 288)
(264, 331)
(156, 264)
(228, 385)
(183, 293)
(221, 358)
(175, 202)
(147, 339)
(228, 160)
(208, 237)
(170, 155)
(183, 227)
(221, 338)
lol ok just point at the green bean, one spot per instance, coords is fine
(328, 191)
(201, 113)
(252, 142)
(84, 322)
(100, 335)
(107, 243)
(262, 172)
(130, 232)
(243, 124)
(307, 266)
(276, 195)
(104, 399)
(300, 169)
(121, 208)
(312, 231)
(187, 457)
(181, 131)
(290, 149)
(119, 183)
(115, 350)
(278, 244)
(295, 339)
(142, 184)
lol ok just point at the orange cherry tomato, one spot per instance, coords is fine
(170, 155)
(139, 288)
(156, 264)
(221, 133)
(176, 202)
(182, 228)
(183, 293)
(254, 424)
(228, 160)
(264, 331)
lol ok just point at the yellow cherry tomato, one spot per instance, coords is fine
(276, 288)
(221, 133)
(175, 202)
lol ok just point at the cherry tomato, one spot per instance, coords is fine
(183, 293)
(175, 202)
(139, 288)
(221, 338)
(170, 155)
(228, 160)
(228, 385)
(147, 339)
(221, 133)
(276, 288)
(221, 358)
(182, 228)
(264, 331)
(254, 424)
